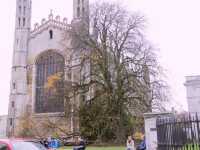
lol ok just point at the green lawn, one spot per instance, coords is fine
(191, 147)
(96, 148)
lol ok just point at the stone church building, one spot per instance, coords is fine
(38, 54)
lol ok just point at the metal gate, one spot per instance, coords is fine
(179, 132)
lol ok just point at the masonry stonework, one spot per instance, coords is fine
(193, 93)
(30, 45)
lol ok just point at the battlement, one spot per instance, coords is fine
(56, 22)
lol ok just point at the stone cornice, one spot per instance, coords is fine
(51, 22)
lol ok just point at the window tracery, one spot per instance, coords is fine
(47, 100)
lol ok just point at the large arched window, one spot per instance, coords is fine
(49, 64)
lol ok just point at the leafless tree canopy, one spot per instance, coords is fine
(123, 63)
(116, 71)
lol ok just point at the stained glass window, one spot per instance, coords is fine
(49, 100)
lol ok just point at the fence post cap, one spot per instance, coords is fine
(153, 115)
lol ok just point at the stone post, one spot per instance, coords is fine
(150, 128)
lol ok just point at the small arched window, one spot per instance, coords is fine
(24, 22)
(19, 21)
(83, 10)
(11, 121)
(78, 12)
(51, 34)
(20, 10)
(14, 85)
(24, 10)
(13, 104)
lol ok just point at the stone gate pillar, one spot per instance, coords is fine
(150, 128)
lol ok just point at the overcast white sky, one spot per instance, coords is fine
(173, 26)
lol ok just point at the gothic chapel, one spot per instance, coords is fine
(39, 53)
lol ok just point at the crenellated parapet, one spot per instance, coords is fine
(55, 22)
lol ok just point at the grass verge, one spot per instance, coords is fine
(97, 148)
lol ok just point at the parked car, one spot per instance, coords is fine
(20, 144)
(70, 141)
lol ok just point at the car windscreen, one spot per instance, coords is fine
(3, 146)
(28, 146)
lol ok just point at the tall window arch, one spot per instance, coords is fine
(49, 64)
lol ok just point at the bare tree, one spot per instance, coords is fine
(118, 71)
(121, 60)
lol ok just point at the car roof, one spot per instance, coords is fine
(4, 140)
(8, 140)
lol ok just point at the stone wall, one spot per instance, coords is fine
(3, 123)
(193, 93)
(42, 125)
(150, 129)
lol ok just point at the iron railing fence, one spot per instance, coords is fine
(179, 132)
